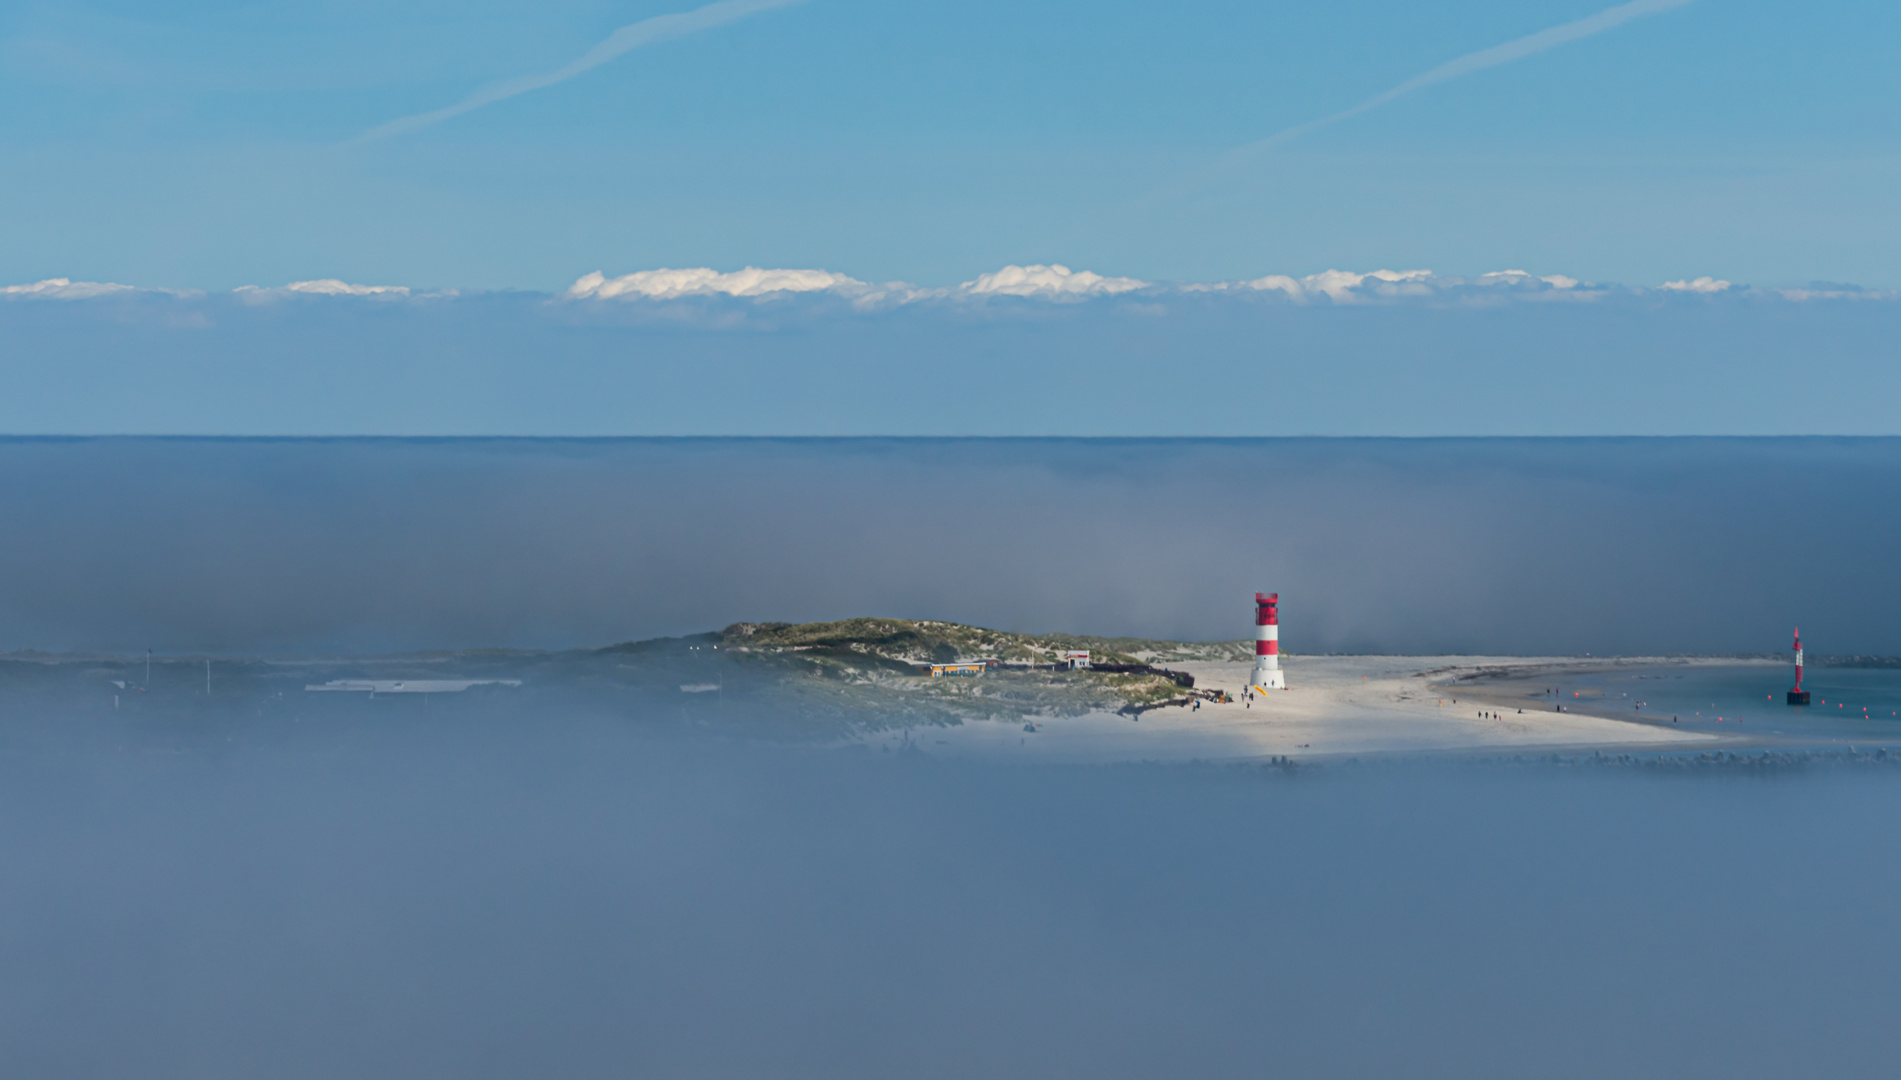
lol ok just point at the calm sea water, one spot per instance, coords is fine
(1846, 703)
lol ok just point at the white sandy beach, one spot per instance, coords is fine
(1334, 706)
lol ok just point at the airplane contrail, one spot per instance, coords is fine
(1517, 49)
(626, 39)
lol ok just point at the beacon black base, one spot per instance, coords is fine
(1798, 697)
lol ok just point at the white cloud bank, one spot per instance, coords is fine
(667, 284)
(60, 288)
(333, 287)
(1353, 287)
(1698, 285)
(1052, 282)
(1049, 283)
(1055, 280)
(1058, 283)
(253, 294)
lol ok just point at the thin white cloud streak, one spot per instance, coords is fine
(622, 41)
(1529, 45)
(1516, 49)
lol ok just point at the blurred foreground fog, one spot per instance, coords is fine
(245, 881)
(1522, 546)
(446, 897)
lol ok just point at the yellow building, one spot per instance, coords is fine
(974, 668)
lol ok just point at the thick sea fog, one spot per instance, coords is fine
(438, 897)
(1385, 545)
(240, 878)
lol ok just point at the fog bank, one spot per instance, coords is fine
(564, 900)
(1408, 546)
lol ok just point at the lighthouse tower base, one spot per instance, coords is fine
(1798, 697)
(1267, 678)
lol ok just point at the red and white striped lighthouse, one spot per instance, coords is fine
(1267, 643)
(1798, 696)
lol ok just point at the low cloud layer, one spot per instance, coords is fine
(63, 289)
(1051, 282)
(1699, 285)
(1048, 281)
(333, 287)
(668, 284)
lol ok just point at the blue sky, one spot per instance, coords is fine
(213, 144)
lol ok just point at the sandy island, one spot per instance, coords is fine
(1335, 706)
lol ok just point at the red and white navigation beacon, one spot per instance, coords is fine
(1798, 696)
(1267, 644)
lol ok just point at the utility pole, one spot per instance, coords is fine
(207, 678)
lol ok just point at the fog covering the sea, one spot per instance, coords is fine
(557, 884)
(449, 897)
(1522, 546)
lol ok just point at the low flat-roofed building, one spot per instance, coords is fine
(974, 667)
